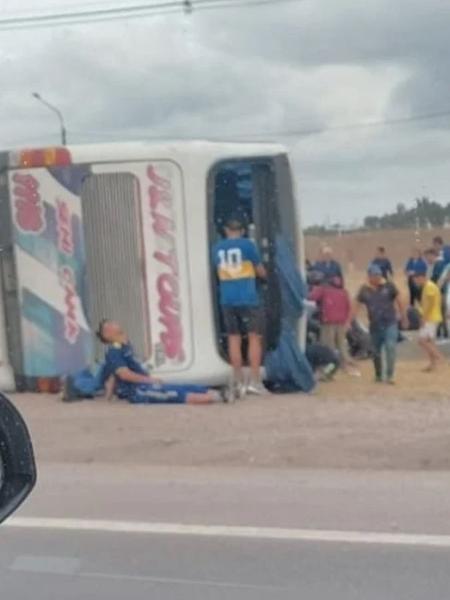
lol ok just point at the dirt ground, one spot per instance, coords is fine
(349, 423)
(356, 249)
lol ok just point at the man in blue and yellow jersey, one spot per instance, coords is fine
(238, 264)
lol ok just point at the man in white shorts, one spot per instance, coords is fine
(431, 315)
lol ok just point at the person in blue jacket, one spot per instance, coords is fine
(443, 250)
(129, 380)
(384, 263)
(327, 265)
(416, 262)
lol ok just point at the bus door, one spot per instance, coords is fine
(247, 188)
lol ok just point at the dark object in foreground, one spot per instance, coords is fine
(322, 359)
(18, 468)
(359, 341)
(413, 319)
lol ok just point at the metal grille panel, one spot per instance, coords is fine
(113, 240)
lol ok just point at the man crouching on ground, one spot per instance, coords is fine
(127, 378)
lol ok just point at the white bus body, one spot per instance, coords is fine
(124, 231)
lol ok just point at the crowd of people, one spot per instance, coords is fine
(335, 334)
(427, 274)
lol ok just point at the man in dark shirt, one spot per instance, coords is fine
(383, 262)
(384, 309)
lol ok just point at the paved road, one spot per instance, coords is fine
(100, 563)
(43, 565)
(417, 502)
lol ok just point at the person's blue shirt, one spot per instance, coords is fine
(328, 268)
(445, 254)
(438, 270)
(416, 264)
(385, 266)
(117, 357)
(235, 260)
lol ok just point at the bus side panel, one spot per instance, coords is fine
(165, 270)
(48, 246)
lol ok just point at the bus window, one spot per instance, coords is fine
(247, 188)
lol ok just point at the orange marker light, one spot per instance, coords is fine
(44, 157)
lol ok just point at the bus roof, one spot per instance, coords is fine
(142, 150)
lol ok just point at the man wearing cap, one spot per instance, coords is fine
(384, 308)
(238, 264)
(431, 315)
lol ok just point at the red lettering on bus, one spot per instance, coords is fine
(162, 225)
(169, 306)
(169, 259)
(157, 180)
(167, 285)
(158, 196)
(28, 206)
(71, 327)
(64, 227)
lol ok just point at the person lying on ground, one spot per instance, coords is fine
(132, 381)
(124, 376)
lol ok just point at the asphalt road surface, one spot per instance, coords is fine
(93, 533)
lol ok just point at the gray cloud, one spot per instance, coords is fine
(307, 65)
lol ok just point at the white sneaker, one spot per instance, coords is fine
(236, 391)
(257, 388)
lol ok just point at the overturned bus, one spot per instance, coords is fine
(124, 231)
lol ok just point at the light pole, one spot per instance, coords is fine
(57, 112)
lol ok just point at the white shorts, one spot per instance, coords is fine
(428, 331)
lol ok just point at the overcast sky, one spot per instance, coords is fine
(294, 66)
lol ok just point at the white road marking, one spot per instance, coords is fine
(183, 582)
(261, 533)
(55, 565)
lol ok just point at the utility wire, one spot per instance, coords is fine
(124, 12)
(275, 134)
(268, 135)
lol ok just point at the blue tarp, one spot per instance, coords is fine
(90, 382)
(287, 369)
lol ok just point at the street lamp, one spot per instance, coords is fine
(58, 114)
